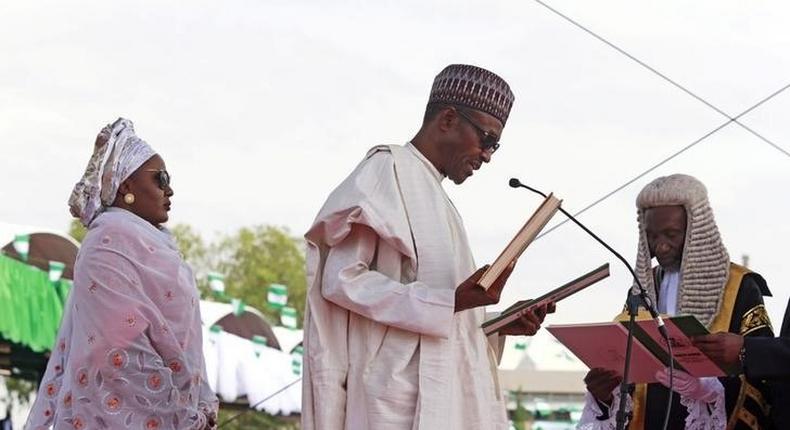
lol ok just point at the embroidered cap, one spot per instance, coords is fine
(473, 87)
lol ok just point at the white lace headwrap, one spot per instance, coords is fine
(705, 266)
(118, 152)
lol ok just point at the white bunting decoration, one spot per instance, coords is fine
(288, 317)
(216, 281)
(56, 269)
(278, 296)
(22, 245)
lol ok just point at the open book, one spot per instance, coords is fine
(523, 238)
(603, 345)
(516, 311)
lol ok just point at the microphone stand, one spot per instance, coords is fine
(632, 305)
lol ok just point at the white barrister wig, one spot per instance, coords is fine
(704, 269)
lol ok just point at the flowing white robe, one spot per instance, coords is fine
(129, 349)
(383, 346)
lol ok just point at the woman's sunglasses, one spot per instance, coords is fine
(162, 176)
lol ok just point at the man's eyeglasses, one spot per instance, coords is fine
(162, 176)
(488, 140)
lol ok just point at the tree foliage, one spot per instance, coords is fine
(251, 259)
(77, 230)
(521, 416)
(190, 243)
(195, 252)
(259, 256)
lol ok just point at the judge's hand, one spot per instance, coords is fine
(723, 348)
(529, 323)
(601, 383)
(470, 295)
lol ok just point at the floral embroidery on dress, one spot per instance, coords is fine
(49, 412)
(78, 422)
(112, 403)
(59, 367)
(152, 423)
(154, 382)
(117, 358)
(81, 377)
(67, 399)
(175, 365)
(52, 389)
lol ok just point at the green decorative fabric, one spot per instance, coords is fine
(30, 304)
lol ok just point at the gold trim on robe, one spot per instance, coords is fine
(755, 319)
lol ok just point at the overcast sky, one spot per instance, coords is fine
(260, 108)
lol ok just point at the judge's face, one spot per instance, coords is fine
(666, 235)
(464, 151)
(151, 192)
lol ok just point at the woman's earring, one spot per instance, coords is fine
(128, 198)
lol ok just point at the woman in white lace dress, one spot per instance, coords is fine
(129, 350)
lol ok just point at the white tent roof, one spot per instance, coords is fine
(211, 312)
(8, 231)
(545, 366)
(543, 353)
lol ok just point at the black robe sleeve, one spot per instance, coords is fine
(769, 359)
(749, 319)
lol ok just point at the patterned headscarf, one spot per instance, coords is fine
(473, 87)
(117, 154)
(705, 266)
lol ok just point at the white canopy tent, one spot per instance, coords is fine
(238, 367)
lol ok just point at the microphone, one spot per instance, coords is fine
(515, 183)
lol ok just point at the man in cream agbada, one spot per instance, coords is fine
(392, 327)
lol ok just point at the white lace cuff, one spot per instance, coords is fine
(593, 418)
(706, 415)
